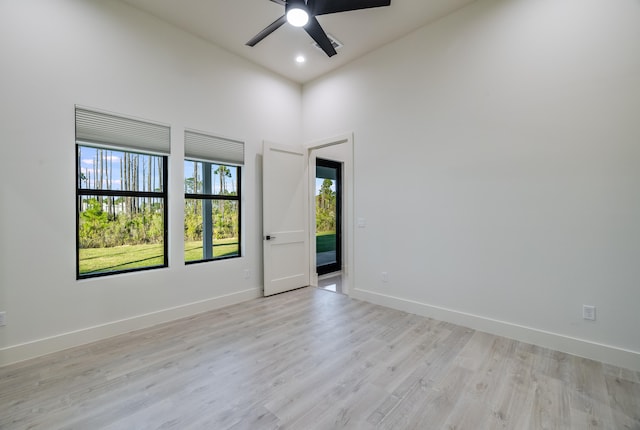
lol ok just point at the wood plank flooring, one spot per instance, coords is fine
(312, 359)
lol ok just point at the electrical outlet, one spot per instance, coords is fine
(589, 312)
(385, 277)
(3, 318)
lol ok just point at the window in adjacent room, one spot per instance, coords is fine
(121, 172)
(212, 187)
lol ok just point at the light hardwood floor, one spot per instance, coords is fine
(313, 359)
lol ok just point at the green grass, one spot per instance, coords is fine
(221, 248)
(100, 260)
(326, 241)
(117, 258)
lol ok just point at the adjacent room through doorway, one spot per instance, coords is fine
(328, 205)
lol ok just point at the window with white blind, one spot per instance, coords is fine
(121, 190)
(212, 187)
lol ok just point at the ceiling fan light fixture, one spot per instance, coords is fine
(302, 13)
(297, 16)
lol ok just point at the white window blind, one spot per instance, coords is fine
(108, 129)
(206, 147)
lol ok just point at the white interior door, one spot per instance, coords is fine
(285, 218)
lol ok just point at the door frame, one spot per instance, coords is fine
(348, 219)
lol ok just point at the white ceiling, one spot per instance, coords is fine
(231, 23)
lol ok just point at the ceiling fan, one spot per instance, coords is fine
(302, 13)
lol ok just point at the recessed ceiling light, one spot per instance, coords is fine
(300, 59)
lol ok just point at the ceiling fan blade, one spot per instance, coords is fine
(267, 31)
(317, 33)
(324, 7)
(280, 2)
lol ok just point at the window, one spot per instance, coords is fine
(121, 194)
(212, 197)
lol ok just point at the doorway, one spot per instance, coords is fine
(328, 209)
(340, 150)
(289, 218)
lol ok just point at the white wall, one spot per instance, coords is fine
(103, 54)
(497, 158)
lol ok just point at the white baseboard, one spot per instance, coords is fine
(580, 347)
(25, 351)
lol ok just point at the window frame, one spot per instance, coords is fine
(80, 192)
(202, 196)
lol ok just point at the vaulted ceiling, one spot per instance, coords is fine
(231, 23)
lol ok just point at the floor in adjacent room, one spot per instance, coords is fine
(331, 282)
(313, 359)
